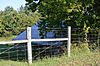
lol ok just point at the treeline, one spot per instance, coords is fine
(12, 22)
(82, 14)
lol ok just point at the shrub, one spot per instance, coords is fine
(80, 48)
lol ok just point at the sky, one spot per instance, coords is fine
(12, 3)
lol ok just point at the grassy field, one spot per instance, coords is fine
(80, 59)
(7, 38)
(80, 56)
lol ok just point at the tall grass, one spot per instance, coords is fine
(89, 59)
(80, 56)
(7, 38)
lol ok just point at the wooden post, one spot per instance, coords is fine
(29, 47)
(69, 41)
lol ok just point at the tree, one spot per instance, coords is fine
(70, 12)
(97, 6)
(13, 22)
(97, 11)
(61, 13)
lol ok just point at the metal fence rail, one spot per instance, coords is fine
(17, 50)
(29, 45)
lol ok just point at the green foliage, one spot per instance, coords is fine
(72, 12)
(97, 10)
(80, 48)
(7, 38)
(97, 7)
(94, 47)
(61, 13)
(13, 22)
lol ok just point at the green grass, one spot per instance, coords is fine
(81, 56)
(80, 59)
(7, 38)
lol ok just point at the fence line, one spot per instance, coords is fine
(32, 40)
(29, 40)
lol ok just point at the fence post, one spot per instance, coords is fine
(69, 41)
(29, 47)
(98, 38)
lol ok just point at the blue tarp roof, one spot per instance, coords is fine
(23, 35)
(36, 35)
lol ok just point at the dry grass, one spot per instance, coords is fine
(7, 38)
(81, 59)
